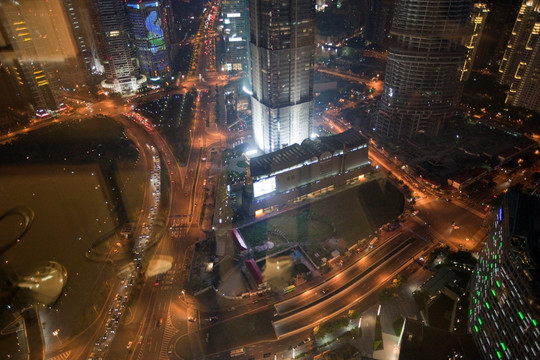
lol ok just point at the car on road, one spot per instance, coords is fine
(325, 291)
(306, 340)
(149, 341)
(192, 319)
(128, 346)
(140, 340)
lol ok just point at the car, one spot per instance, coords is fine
(306, 340)
(160, 322)
(140, 340)
(192, 319)
(128, 346)
(325, 291)
(149, 341)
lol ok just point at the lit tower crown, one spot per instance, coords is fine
(282, 50)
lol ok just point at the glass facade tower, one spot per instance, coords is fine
(422, 83)
(150, 37)
(235, 32)
(282, 54)
(122, 73)
(505, 292)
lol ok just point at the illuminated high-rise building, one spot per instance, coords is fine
(505, 291)
(422, 85)
(80, 18)
(282, 55)
(23, 54)
(478, 21)
(150, 37)
(117, 53)
(520, 66)
(235, 30)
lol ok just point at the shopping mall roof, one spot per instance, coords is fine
(297, 154)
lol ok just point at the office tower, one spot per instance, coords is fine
(282, 52)
(22, 55)
(117, 53)
(150, 37)
(79, 16)
(422, 86)
(520, 66)
(379, 22)
(235, 31)
(505, 292)
(478, 21)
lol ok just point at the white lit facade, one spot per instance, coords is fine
(282, 62)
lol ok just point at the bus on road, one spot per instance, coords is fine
(237, 352)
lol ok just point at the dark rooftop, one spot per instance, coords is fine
(297, 154)
(524, 222)
(419, 342)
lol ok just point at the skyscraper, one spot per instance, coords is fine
(282, 54)
(520, 66)
(505, 292)
(150, 37)
(422, 83)
(379, 21)
(27, 32)
(83, 32)
(478, 21)
(122, 72)
(235, 31)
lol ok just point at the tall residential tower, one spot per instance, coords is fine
(422, 83)
(282, 54)
(520, 66)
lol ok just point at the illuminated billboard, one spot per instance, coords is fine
(155, 32)
(264, 186)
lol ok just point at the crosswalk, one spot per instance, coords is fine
(62, 356)
(169, 331)
(168, 280)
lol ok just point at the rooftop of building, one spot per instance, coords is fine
(297, 154)
(420, 342)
